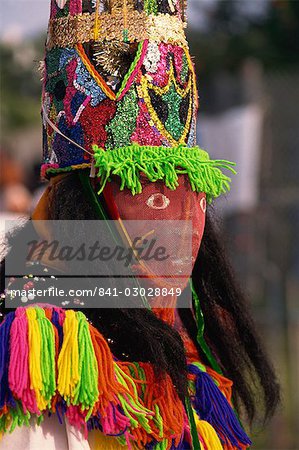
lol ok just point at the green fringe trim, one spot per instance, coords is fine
(163, 163)
(17, 418)
(55, 171)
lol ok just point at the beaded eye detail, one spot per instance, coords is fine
(203, 204)
(158, 201)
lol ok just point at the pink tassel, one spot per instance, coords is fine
(18, 373)
(75, 7)
(114, 422)
(76, 418)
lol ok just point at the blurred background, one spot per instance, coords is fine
(247, 60)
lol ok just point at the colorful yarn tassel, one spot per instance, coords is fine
(41, 357)
(86, 392)
(19, 377)
(208, 435)
(54, 361)
(6, 396)
(47, 356)
(68, 360)
(212, 406)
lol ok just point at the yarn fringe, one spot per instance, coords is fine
(211, 406)
(208, 434)
(163, 163)
(54, 361)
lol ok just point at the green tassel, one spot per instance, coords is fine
(17, 418)
(86, 392)
(162, 445)
(48, 355)
(133, 409)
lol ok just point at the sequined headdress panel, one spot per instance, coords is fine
(119, 95)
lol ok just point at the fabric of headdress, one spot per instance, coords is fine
(119, 95)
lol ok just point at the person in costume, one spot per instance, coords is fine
(119, 110)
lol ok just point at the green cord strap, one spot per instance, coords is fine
(200, 331)
(194, 435)
(94, 199)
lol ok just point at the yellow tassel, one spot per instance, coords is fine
(99, 441)
(68, 360)
(34, 343)
(208, 434)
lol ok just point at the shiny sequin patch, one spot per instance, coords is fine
(84, 82)
(66, 151)
(94, 121)
(122, 126)
(172, 97)
(154, 105)
(152, 57)
(71, 30)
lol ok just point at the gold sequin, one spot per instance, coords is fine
(79, 29)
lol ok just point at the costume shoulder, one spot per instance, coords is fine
(54, 361)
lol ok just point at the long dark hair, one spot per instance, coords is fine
(140, 335)
(229, 329)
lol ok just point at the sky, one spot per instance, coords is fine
(22, 18)
(19, 18)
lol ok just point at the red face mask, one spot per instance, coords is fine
(157, 202)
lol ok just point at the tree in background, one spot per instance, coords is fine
(20, 85)
(233, 30)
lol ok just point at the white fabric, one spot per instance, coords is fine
(50, 435)
(236, 135)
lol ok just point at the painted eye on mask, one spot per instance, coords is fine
(203, 204)
(158, 201)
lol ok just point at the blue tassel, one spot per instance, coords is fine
(212, 406)
(94, 424)
(6, 396)
(55, 322)
(151, 445)
(183, 446)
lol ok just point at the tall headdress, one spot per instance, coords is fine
(119, 95)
